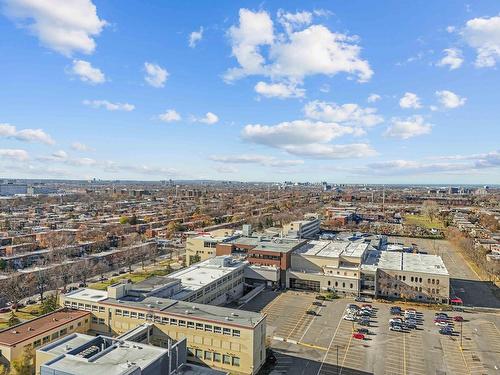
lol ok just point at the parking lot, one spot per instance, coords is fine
(324, 343)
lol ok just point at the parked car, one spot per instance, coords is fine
(364, 322)
(395, 310)
(442, 314)
(353, 306)
(396, 320)
(316, 303)
(446, 331)
(358, 336)
(4, 310)
(442, 324)
(458, 318)
(121, 272)
(115, 274)
(311, 312)
(396, 328)
(364, 331)
(349, 318)
(359, 299)
(320, 297)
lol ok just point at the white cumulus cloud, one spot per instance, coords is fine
(109, 105)
(449, 99)
(452, 58)
(14, 154)
(25, 135)
(294, 21)
(483, 34)
(348, 114)
(296, 55)
(87, 73)
(170, 115)
(373, 98)
(267, 161)
(409, 127)
(209, 118)
(195, 37)
(410, 100)
(78, 146)
(278, 90)
(155, 76)
(66, 26)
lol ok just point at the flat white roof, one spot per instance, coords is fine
(201, 274)
(333, 248)
(87, 294)
(396, 261)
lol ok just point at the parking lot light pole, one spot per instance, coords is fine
(337, 347)
(461, 325)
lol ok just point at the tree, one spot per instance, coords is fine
(124, 220)
(49, 304)
(430, 209)
(13, 319)
(26, 364)
(42, 281)
(3, 264)
(14, 290)
(100, 268)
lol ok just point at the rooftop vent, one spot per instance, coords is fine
(31, 329)
(194, 307)
(14, 331)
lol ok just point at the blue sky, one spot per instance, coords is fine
(348, 92)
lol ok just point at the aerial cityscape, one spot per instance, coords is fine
(205, 188)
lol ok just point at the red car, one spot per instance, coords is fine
(440, 320)
(358, 336)
(367, 305)
(458, 318)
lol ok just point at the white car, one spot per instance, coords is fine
(396, 328)
(410, 321)
(349, 317)
(442, 324)
(396, 320)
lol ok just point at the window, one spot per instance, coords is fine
(190, 324)
(420, 279)
(101, 308)
(437, 281)
(336, 283)
(118, 312)
(236, 361)
(126, 313)
(433, 281)
(164, 320)
(173, 322)
(226, 359)
(404, 278)
(208, 356)
(79, 324)
(37, 343)
(71, 328)
(46, 339)
(343, 285)
(329, 283)
(236, 332)
(217, 357)
(227, 331)
(63, 331)
(133, 314)
(182, 323)
(411, 278)
(141, 316)
(199, 326)
(55, 335)
(217, 329)
(351, 286)
(101, 321)
(199, 353)
(208, 328)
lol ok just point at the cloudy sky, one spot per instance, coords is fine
(357, 91)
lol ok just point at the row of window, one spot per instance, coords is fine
(86, 306)
(215, 357)
(351, 285)
(55, 335)
(180, 323)
(416, 279)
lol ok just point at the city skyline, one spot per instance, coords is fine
(348, 93)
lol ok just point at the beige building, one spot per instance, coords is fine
(222, 338)
(40, 331)
(306, 228)
(202, 247)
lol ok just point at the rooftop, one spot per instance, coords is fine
(332, 249)
(212, 313)
(422, 263)
(38, 326)
(87, 294)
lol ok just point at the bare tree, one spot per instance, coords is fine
(14, 290)
(430, 209)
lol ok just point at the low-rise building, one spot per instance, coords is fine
(80, 354)
(307, 228)
(40, 331)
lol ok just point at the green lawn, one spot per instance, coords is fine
(423, 221)
(135, 277)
